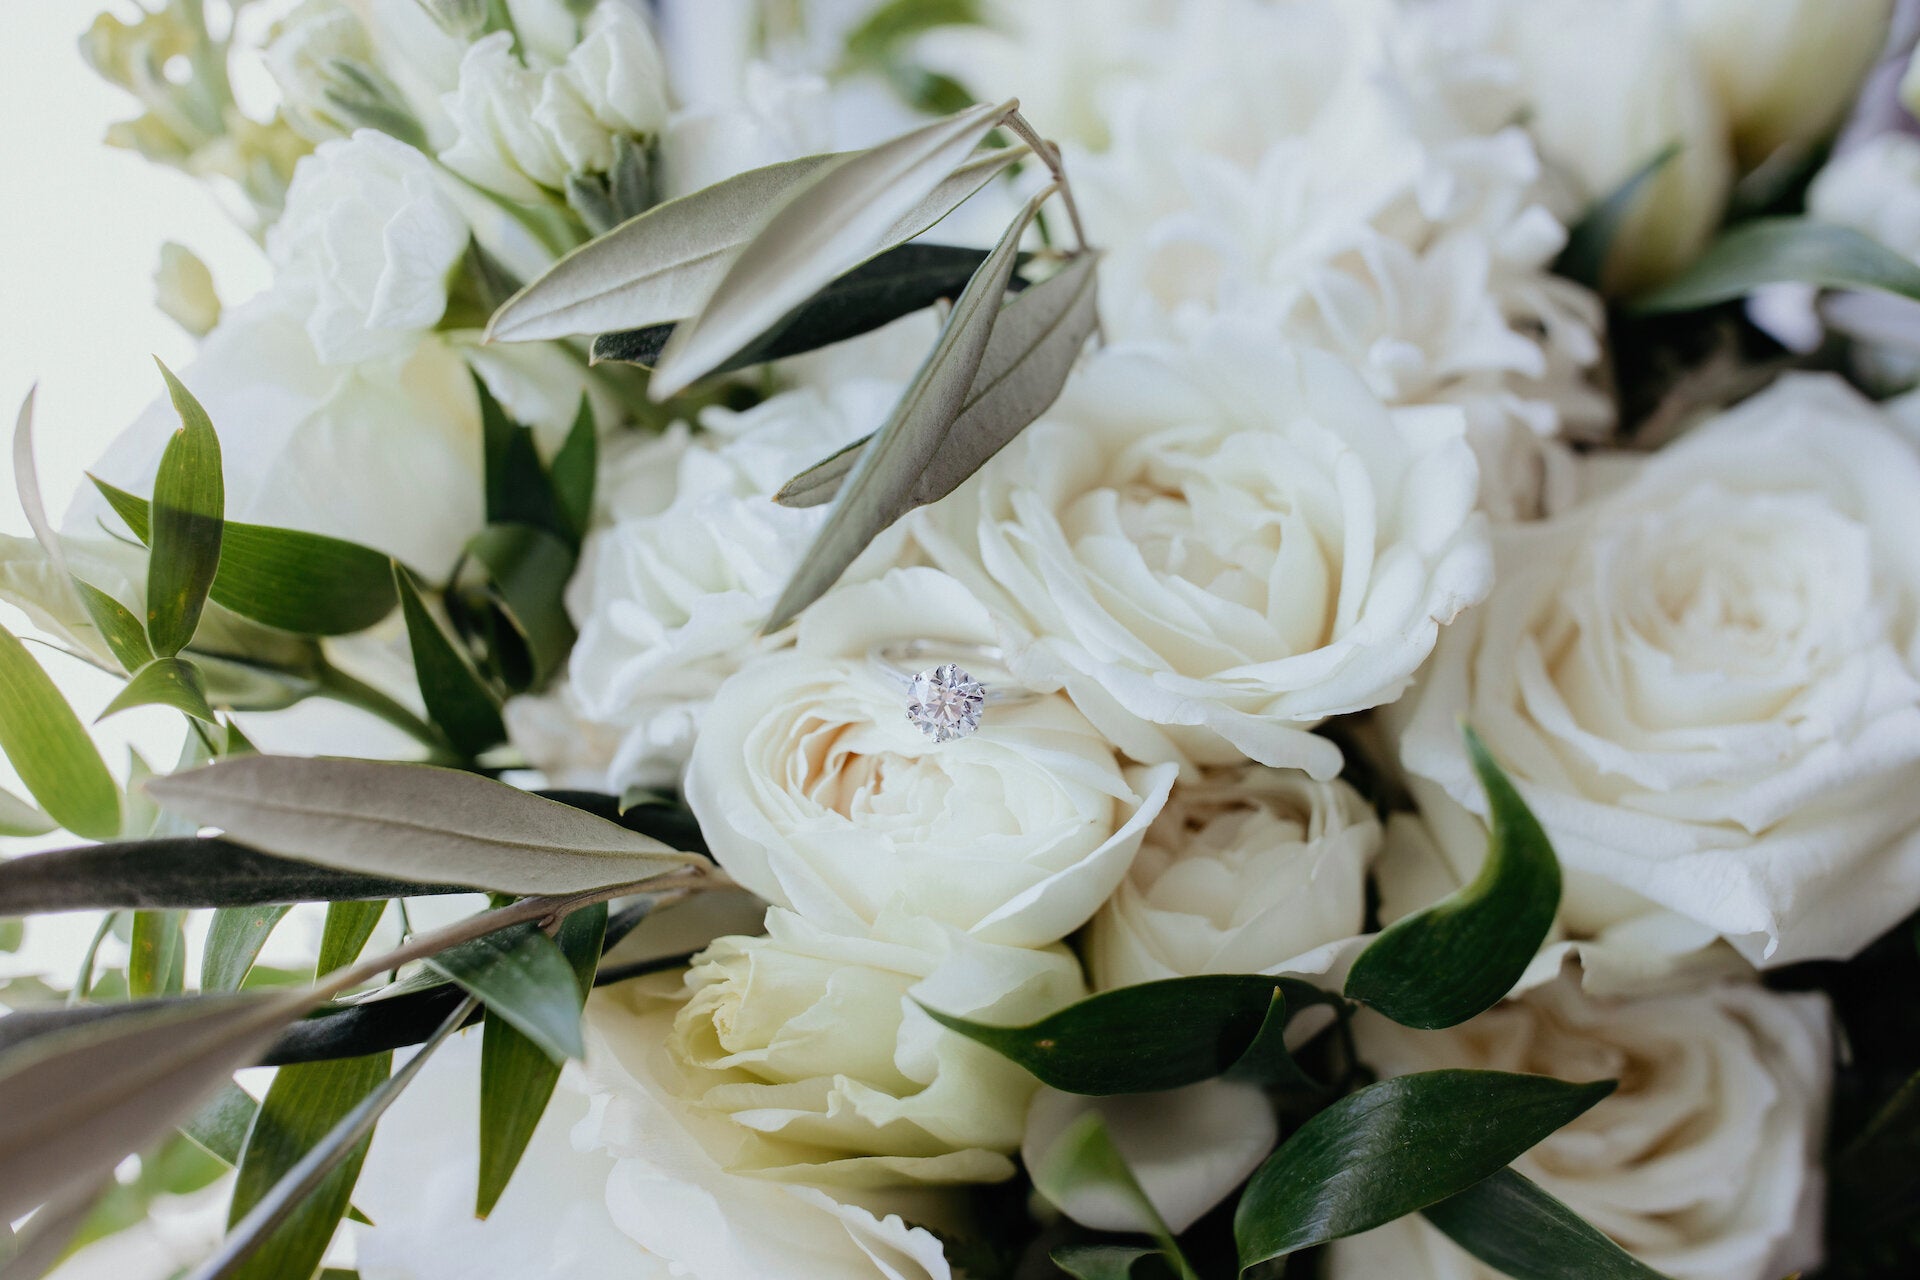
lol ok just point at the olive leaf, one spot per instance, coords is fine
(189, 504)
(1462, 955)
(1775, 250)
(880, 488)
(838, 218)
(413, 821)
(1036, 340)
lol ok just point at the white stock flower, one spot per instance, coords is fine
(1214, 547)
(1785, 71)
(366, 244)
(690, 555)
(815, 1043)
(1245, 871)
(1706, 682)
(1608, 87)
(817, 793)
(623, 1180)
(1704, 1163)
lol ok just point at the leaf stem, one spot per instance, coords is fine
(350, 691)
(1050, 156)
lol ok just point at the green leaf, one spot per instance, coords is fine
(413, 821)
(517, 1077)
(157, 957)
(26, 484)
(220, 1127)
(528, 570)
(517, 489)
(905, 279)
(189, 506)
(522, 975)
(165, 682)
(305, 583)
(233, 943)
(82, 1098)
(1034, 346)
(879, 490)
(1394, 1148)
(1776, 250)
(181, 872)
(1084, 1159)
(1441, 966)
(118, 625)
(574, 472)
(18, 818)
(1519, 1230)
(874, 42)
(50, 750)
(12, 934)
(457, 700)
(1875, 1179)
(1099, 1261)
(1153, 1036)
(344, 936)
(838, 218)
(1590, 242)
(302, 1105)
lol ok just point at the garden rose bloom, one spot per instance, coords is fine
(1703, 1163)
(1706, 683)
(1213, 548)
(815, 1044)
(1245, 871)
(816, 793)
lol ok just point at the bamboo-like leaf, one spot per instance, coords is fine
(182, 872)
(1775, 250)
(80, 1099)
(305, 583)
(1397, 1147)
(165, 682)
(1036, 341)
(517, 1076)
(189, 507)
(457, 700)
(1462, 955)
(18, 818)
(413, 821)
(344, 935)
(118, 625)
(1519, 1230)
(574, 471)
(665, 264)
(157, 954)
(528, 569)
(233, 943)
(905, 279)
(26, 483)
(880, 488)
(521, 975)
(1083, 1160)
(50, 749)
(220, 1127)
(302, 1106)
(838, 219)
(517, 490)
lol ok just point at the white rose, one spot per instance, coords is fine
(1785, 71)
(815, 1044)
(622, 1179)
(368, 239)
(1874, 188)
(1609, 87)
(689, 557)
(817, 793)
(1706, 682)
(1212, 548)
(1245, 871)
(1704, 1163)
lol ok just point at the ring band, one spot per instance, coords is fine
(944, 700)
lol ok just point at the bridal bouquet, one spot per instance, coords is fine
(991, 639)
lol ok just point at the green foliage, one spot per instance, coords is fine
(574, 473)
(1083, 1160)
(1461, 956)
(189, 503)
(344, 935)
(1513, 1226)
(1590, 240)
(521, 599)
(50, 750)
(1781, 250)
(457, 699)
(118, 625)
(157, 959)
(165, 682)
(233, 943)
(523, 978)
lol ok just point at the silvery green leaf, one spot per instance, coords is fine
(1772, 250)
(841, 217)
(18, 818)
(26, 481)
(880, 488)
(1036, 340)
(413, 822)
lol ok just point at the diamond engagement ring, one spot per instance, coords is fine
(944, 700)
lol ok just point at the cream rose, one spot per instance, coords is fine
(1245, 871)
(815, 1044)
(1706, 682)
(816, 792)
(1214, 547)
(1704, 1164)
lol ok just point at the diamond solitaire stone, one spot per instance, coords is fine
(945, 702)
